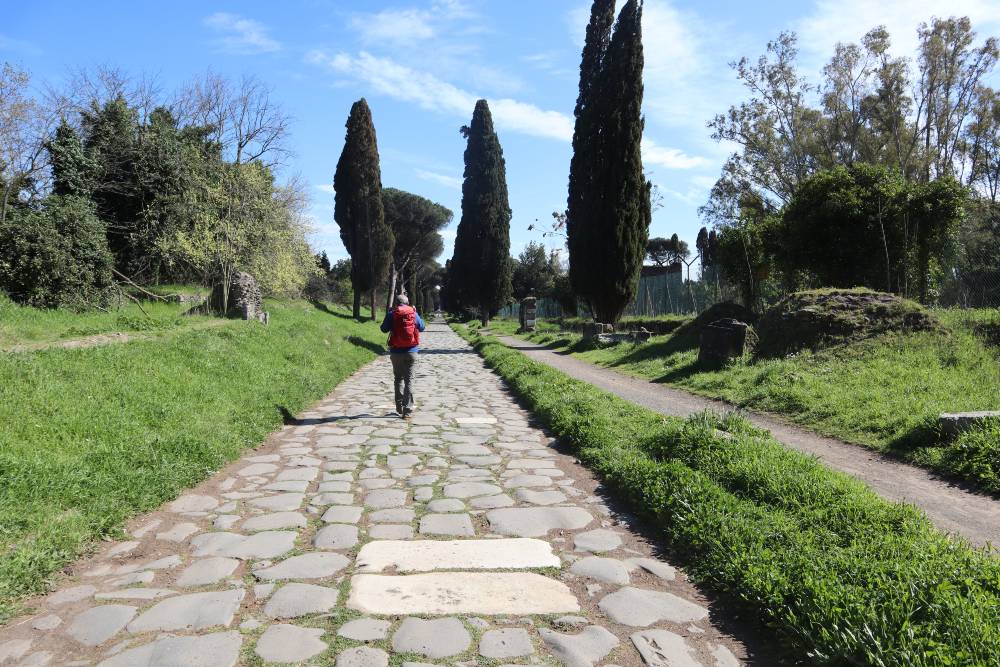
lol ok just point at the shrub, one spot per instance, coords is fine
(56, 256)
(819, 318)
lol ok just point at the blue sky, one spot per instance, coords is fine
(422, 64)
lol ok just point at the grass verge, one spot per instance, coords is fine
(884, 393)
(841, 576)
(93, 436)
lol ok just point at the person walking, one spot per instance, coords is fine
(403, 325)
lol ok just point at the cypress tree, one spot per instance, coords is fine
(72, 170)
(480, 271)
(584, 198)
(358, 206)
(609, 204)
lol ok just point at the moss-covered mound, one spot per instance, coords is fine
(688, 335)
(820, 318)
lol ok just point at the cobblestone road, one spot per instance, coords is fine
(356, 539)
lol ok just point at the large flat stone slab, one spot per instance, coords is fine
(662, 648)
(194, 611)
(536, 521)
(294, 600)
(434, 638)
(266, 544)
(98, 624)
(639, 607)
(446, 593)
(307, 566)
(429, 555)
(289, 643)
(581, 650)
(220, 649)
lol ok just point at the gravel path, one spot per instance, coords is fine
(353, 537)
(951, 508)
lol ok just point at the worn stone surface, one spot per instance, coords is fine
(219, 649)
(469, 519)
(365, 629)
(505, 643)
(580, 650)
(289, 643)
(436, 638)
(293, 600)
(662, 648)
(428, 555)
(639, 607)
(460, 593)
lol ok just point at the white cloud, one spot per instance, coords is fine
(327, 188)
(453, 182)
(427, 91)
(847, 21)
(241, 36)
(671, 158)
(405, 26)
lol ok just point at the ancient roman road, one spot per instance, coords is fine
(352, 537)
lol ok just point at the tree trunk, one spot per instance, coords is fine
(393, 276)
(373, 304)
(357, 304)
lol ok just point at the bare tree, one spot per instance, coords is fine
(247, 124)
(24, 126)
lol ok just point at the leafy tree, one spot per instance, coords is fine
(744, 256)
(323, 263)
(358, 206)
(663, 252)
(72, 170)
(415, 223)
(480, 272)
(534, 273)
(22, 133)
(56, 256)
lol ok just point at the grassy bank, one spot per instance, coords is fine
(21, 325)
(840, 576)
(93, 436)
(884, 393)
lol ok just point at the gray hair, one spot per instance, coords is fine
(402, 300)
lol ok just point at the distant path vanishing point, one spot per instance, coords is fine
(951, 508)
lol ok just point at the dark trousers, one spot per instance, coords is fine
(402, 372)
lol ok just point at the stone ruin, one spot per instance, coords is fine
(722, 340)
(245, 300)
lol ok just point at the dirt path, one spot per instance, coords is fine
(108, 338)
(951, 508)
(352, 538)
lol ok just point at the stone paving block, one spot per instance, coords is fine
(135, 594)
(609, 570)
(306, 566)
(442, 593)
(662, 648)
(266, 544)
(207, 571)
(437, 638)
(383, 498)
(342, 514)
(297, 474)
(429, 555)
(640, 608)
(537, 521)
(581, 650)
(365, 629)
(391, 531)
(294, 600)
(194, 611)
(282, 502)
(336, 536)
(447, 524)
(363, 656)
(275, 521)
(72, 594)
(470, 489)
(99, 624)
(446, 505)
(283, 642)
(219, 649)
(597, 541)
(178, 533)
(505, 643)
(536, 497)
(193, 503)
(653, 566)
(393, 515)
(491, 502)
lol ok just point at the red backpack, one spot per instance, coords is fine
(404, 328)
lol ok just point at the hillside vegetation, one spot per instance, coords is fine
(884, 392)
(90, 437)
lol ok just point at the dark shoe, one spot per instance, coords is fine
(407, 414)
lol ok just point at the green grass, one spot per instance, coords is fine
(90, 437)
(22, 325)
(838, 575)
(885, 393)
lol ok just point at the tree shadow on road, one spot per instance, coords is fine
(358, 341)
